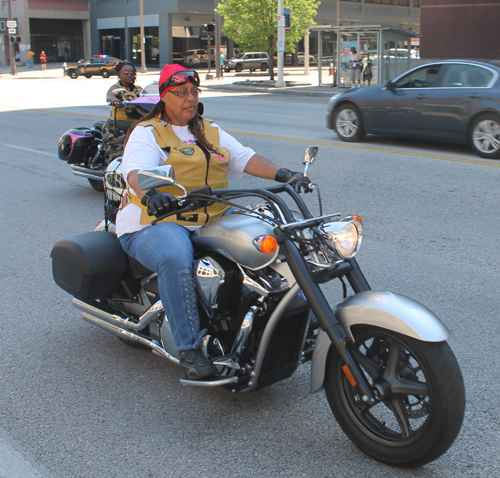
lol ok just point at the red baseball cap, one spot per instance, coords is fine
(169, 80)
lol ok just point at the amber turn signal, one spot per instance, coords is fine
(268, 244)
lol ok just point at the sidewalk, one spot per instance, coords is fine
(297, 83)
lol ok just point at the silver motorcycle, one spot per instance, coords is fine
(390, 377)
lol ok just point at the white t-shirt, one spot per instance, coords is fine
(142, 152)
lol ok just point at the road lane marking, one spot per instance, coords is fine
(367, 148)
(12, 463)
(317, 142)
(37, 151)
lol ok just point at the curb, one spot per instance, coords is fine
(294, 91)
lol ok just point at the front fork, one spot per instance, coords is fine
(323, 312)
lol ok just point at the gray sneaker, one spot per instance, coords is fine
(195, 364)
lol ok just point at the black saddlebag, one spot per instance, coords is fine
(88, 266)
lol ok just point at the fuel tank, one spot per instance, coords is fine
(234, 236)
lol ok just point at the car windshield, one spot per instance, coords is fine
(239, 55)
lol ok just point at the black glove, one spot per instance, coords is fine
(158, 203)
(294, 179)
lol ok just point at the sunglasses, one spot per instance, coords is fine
(180, 78)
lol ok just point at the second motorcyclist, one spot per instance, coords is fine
(116, 127)
(202, 154)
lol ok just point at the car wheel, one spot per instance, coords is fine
(485, 136)
(105, 73)
(348, 123)
(263, 67)
(73, 74)
(238, 68)
(226, 69)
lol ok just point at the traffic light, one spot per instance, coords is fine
(209, 27)
(15, 39)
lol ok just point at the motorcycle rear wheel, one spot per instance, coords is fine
(423, 401)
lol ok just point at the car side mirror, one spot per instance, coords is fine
(390, 86)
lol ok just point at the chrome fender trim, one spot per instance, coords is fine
(386, 310)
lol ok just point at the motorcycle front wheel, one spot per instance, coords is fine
(421, 390)
(98, 185)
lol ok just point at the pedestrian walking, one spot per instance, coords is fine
(43, 60)
(222, 58)
(367, 72)
(31, 58)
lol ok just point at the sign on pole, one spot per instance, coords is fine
(11, 23)
(12, 31)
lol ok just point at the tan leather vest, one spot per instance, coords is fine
(128, 96)
(192, 170)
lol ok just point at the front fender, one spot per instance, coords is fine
(386, 310)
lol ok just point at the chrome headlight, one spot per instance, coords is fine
(344, 237)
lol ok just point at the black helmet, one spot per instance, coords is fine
(73, 143)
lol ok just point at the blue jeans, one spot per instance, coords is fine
(31, 62)
(167, 250)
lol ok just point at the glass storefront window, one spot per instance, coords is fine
(151, 48)
(113, 42)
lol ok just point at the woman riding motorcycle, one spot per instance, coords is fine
(116, 127)
(202, 154)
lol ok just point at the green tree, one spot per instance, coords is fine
(253, 24)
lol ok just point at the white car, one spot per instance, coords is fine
(195, 57)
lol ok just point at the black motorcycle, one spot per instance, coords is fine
(83, 148)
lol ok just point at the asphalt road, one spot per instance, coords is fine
(76, 402)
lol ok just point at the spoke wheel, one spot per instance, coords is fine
(73, 74)
(422, 397)
(485, 136)
(105, 73)
(348, 123)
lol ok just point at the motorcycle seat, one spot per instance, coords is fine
(98, 125)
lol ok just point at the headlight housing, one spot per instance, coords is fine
(343, 237)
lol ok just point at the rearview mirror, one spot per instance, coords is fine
(390, 86)
(309, 155)
(157, 178)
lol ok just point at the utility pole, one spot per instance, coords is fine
(143, 40)
(280, 83)
(217, 42)
(11, 45)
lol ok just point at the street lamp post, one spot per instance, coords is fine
(11, 45)
(217, 42)
(143, 40)
(280, 82)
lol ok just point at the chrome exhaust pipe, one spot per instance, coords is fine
(209, 383)
(153, 313)
(114, 324)
(96, 174)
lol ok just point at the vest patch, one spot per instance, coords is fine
(188, 151)
(187, 217)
